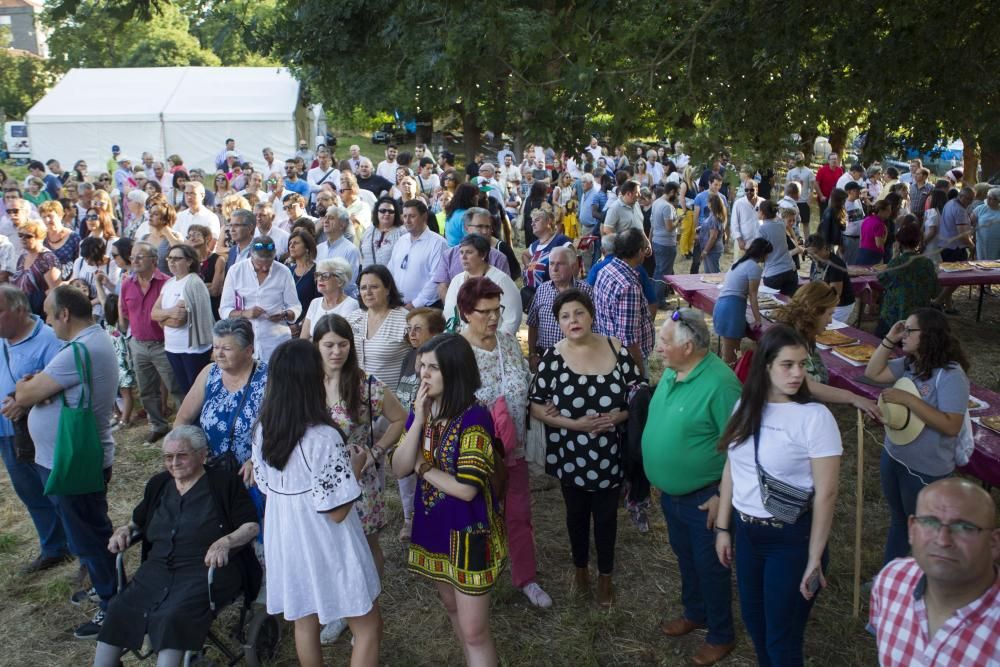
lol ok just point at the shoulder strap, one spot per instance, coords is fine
(6, 355)
(239, 408)
(81, 358)
(371, 415)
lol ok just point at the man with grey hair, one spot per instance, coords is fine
(687, 415)
(270, 163)
(543, 329)
(84, 515)
(139, 293)
(28, 345)
(487, 179)
(336, 222)
(85, 199)
(475, 220)
(262, 291)
(241, 231)
(264, 217)
(619, 299)
(954, 240)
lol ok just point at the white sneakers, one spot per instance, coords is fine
(537, 596)
(332, 631)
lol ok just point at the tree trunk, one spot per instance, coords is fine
(970, 158)
(470, 132)
(425, 128)
(838, 140)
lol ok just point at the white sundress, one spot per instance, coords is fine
(314, 565)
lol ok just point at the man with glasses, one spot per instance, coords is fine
(415, 256)
(292, 181)
(262, 291)
(139, 294)
(15, 212)
(744, 223)
(294, 206)
(241, 231)
(687, 415)
(196, 213)
(942, 606)
(475, 220)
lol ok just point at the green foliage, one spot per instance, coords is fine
(23, 81)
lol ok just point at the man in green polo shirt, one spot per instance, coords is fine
(687, 415)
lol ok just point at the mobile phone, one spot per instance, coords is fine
(812, 583)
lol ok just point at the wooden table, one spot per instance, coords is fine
(984, 463)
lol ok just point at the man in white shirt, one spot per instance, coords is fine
(355, 159)
(164, 178)
(196, 213)
(387, 167)
(262, 291)
(681, 159)
(336, 223)
(791, 199)
(916, 165)
(856, 174)
(147, 164)
(324, 172)
(595, 148)
(504, 152)
(744, 223)
(415, 257)
(653, 166)
(428, 183)
(264, 217)
(806, 179)
(487, 176)
(510, 174)
(270, 163)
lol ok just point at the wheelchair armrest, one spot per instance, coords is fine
(135, 536)
(211, 580)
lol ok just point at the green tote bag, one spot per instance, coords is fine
(78, 462)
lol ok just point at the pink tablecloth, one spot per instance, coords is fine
(985, 461)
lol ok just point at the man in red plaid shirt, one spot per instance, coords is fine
(942, 606)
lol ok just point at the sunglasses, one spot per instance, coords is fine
(92, 216)
(677, 317)
(264, 246)
(386, 211)
(324, 276)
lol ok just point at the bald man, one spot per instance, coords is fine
(942, 606)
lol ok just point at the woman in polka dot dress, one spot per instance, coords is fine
(581, 395)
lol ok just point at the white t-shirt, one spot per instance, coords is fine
(203, 217)
(175, 339)
(316, 310)
(791, 434)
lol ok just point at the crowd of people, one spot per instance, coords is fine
(313, 323)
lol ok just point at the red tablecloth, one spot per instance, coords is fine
(973, 276)
(985, 461)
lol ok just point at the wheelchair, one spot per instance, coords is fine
(257, 633)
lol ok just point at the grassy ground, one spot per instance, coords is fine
(38, 620)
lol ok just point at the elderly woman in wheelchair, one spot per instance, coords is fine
(190, 519)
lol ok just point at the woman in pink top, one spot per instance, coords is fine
(873, 235)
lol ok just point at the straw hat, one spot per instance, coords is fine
(901, 424)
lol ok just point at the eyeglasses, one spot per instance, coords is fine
(907, 331)
(324, 276)
(406, 261)
(180, 457)
(289, 207)
(264, 246)
(955, 528)
(386, 211)
(141, 257)
(104, 180)
(493, 312)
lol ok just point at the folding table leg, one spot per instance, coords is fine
(979, 307)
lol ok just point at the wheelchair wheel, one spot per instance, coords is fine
(263, 635)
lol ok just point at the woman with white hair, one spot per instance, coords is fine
(332, 276)
(136, 217)
(986, 222)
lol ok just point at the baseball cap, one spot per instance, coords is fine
(116, 148)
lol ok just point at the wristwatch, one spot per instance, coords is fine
(424, 467)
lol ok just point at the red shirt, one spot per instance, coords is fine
(826, 179)
(970, 637)
(138, 307)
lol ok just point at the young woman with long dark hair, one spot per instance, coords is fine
(778, 430)
(936, 364)
(319, 566)
(458, 537)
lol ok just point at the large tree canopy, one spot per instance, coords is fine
(742, 72)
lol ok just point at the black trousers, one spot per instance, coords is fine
(603, 507)
(786, 282)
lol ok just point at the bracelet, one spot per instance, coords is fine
(888, 347)
(424, 467)
(720, 529)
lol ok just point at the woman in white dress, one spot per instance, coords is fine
(319, 566)
(332, 275)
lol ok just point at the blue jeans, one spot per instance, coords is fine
(24, 479)
(85, 520)
(665, 256)
(186, 367)
(706, 588)
(712, 261)
(770, 563)
(900, 489)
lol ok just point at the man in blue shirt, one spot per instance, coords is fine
(52, 183)
(28, 344)
(592, 204)
(292, 180)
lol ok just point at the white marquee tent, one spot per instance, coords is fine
(188, 111)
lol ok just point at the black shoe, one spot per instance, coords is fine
(91, 628)
(85, 596)
(43, 563)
